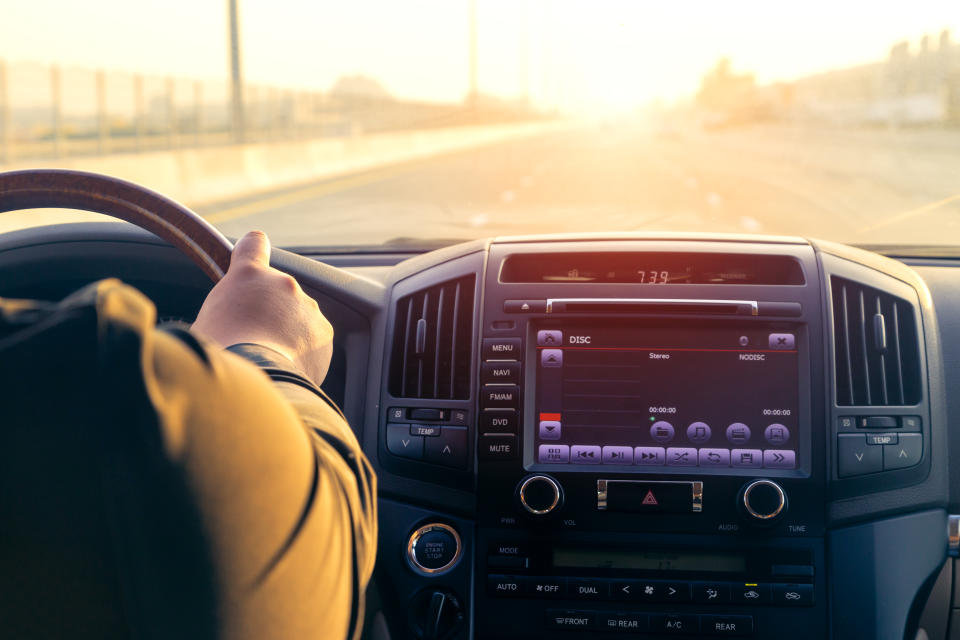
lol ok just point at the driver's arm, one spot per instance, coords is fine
(284, 490)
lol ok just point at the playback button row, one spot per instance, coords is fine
(669, 456)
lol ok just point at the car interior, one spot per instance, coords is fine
(793, 480)
(646, 315)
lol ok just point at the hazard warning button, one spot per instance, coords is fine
(638, 496)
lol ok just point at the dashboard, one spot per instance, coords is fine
(641, 436)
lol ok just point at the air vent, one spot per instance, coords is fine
(876, 347)
(432, 336)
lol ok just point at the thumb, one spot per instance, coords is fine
(253, 247)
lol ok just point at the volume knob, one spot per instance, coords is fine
(764, 501)
(540, 494)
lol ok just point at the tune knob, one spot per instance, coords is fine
(540, 494)
(764, 501)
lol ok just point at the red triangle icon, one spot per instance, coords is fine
(650, 499)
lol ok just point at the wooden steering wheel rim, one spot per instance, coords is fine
(170, 220)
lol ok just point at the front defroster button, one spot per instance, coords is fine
(560, 619)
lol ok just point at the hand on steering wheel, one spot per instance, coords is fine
(256, 303)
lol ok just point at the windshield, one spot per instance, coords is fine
(416, 123)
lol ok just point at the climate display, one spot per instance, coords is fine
(644, 396)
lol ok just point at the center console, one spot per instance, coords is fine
(645, 460)
(656, 439)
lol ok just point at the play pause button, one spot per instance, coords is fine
(617, 455)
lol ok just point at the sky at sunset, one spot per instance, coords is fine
(575, 54)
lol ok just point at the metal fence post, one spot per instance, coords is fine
(197, 111)
(171, 114)
(139, 119)
(56, 104)
(6, 131)
(103, 118)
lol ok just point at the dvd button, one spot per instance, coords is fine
(498, 421)
(730, 626)
(562, 619)
(626, 622)
(582, 589)
(675, 624)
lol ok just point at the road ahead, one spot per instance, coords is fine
(853, 186)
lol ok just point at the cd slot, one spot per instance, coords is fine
(652, 306)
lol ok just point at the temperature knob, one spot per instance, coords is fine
(764, 501)
(540, 494)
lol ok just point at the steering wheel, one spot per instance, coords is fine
(60, 188)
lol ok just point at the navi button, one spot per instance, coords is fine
(617, 455)
(738, 433)
(681, 457)
(751, 458)
(649, 455)
(585, 454)
(698, 432)
(714, 457)
(662, 431)
(554, 453)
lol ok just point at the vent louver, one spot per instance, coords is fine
(432, 338)
(876, 346)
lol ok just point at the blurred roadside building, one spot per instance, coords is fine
(912, 87)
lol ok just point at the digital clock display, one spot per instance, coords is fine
(651, 268)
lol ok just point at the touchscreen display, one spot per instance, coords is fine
(644, 396)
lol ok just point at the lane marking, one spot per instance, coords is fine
(906, 215)
(350, 181)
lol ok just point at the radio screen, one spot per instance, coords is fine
(652, 560)
(641, 396)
